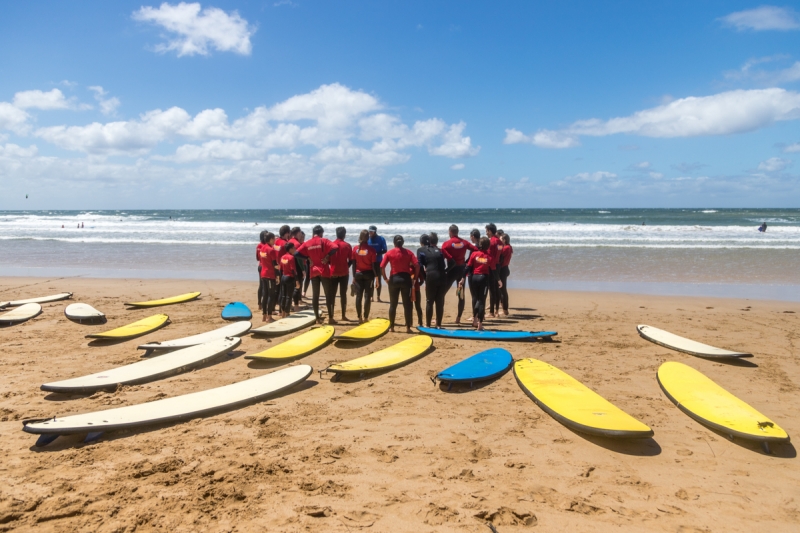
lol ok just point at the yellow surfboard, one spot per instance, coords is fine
(166, 301)
(304, 344)
(574, 404)
(140, 327)
(391, 357)
(366, 331)
(711, 405)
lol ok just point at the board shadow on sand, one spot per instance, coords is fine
(354, 377)
(461, 387)
(731, 361)
(781, 450)
(647, 447)
(77, 440)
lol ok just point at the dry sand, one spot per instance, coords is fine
(392, 452)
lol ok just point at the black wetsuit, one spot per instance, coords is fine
(504, 273)
(400, 285)
(364, 283)
(431, 260)
(287, 291)
(302, 273)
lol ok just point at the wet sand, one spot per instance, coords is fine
(391, 452)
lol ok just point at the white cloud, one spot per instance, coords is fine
(488, 186)
(12, 117)
(656, 175)
(13, 150)
(196, 30)
(774, 164)
(37, 99)
(455, 145)
(766, 77)
(458, 166)
(644, 165)
(108, 106)
(792, 148)
(719, 114)
(542, 138)
(764, 18)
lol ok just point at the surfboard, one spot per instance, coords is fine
(236, 329)
(39, 300)
(303, 344)
(20, 314)
(80, 312)
(292, 323)
(167, 301)
(236, 311)
(711, 405)
(680, 344)
(135, 329)
(392, 357)
(187, 406)
(150, 369)
(574, 404)
(367, 331)
(487, 335)
(484, 365)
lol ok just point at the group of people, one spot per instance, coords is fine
(288, 264)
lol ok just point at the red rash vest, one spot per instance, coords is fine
(479, 261)
(402, 260)
(505, 255)
(494, 252)
(341, 259)
(267, 258)
(364, 255)
(455, 248)
(288, 265)
(315, 249)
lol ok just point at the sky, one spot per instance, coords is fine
(365, 104)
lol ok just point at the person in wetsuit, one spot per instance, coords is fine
(502, 265)
(280, 249)
(301, 273)
(340, 272)
(262, 237)
(454, 251)
(494, 275)
(266, 256)
(379, 244)
(319, 251)
(424, 241)
(405, 269)
(431, 261)
(288, 268)
(479, 275)
(365, 270)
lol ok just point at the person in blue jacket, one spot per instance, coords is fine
(378, 243)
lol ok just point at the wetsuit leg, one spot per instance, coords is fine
(340, 285)
(504, 273)
(330, 295)
(359, 285)
(315, 295)
(274, 297)
(268, 295)
(479, 287)
(259, 286)
(363, 282)
(308, 280)
(379, 282)
(287, 291)
(368, 290)
(455, 275)
(434, 284)
(403, 285)
(418, 303)
(494, 303)
(438, 300)
(394, 294)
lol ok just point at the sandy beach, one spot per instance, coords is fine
(391, 452)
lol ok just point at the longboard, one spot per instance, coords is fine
(290, 324)
(135, 329)
(178, 408)
(574, 404)
(303, 344)
(392, 357)
(80, 312)
(674, 342)
(166, 301)
(236, 311)
(487, 335)
(39, 300)
(366, 332)
(711, 405)
(237, 329)
(20, 314)
(148, 370)
(484, 365)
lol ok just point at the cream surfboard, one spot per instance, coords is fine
(293, 322)
(177, 408)
(392, 357)
(150, 369)
(20, 314)
(188, 297)
(39, 300)
(366, 332)
(711, 405)
(237, 329)
(674, 342)
(574, 404)
(135, 329)
(303, 344)
(81, 312)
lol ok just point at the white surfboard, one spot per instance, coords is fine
(39, 300)
(237, 329)
(171, 409)
(83, 313)
(681, 344)
(293, 322)
(20, 314)
(148, 370)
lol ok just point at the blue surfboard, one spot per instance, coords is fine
(483, 365)
(487, 335)
(236, 311)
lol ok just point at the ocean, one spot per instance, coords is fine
(716, 252)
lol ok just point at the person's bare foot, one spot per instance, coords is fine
(435, 324)
(391, 329)
(264, 318)
(458, 320)
(345, 319)
(480, 325)
(505, 312)
(360, 321)
(331, 321)
(320, 320)
(475, 322)
(408, 330)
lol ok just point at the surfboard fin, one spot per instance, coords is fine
(91, 437)
(45, 439)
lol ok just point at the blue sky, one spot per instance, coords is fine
(107, 105)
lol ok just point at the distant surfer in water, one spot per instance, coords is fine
(763, 227)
